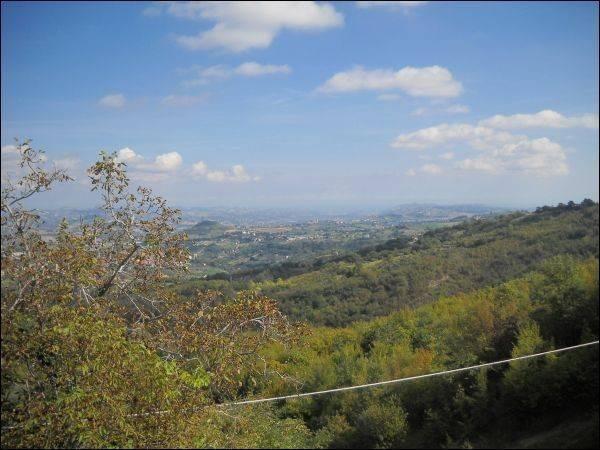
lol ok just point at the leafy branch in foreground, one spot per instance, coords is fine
(22, 245)
(94, 342)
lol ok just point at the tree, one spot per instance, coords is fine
(96, 349)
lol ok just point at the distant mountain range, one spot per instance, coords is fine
(204, 218)
(431, 212)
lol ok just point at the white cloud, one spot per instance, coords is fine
(476, 136)
(128, 156)
(179, 101)
(240, 174)
(237, 174)
(253, 69)
(496, 151)
(115, 101)
(478, 164)
(229, 37)
(540, 157)
(242, 26)
(217, 176)
(431, 169)
(410, 172)
(543, 119)
(199, 168)
(168, 162)
(167, 166)
(221, 72)
(432, 81)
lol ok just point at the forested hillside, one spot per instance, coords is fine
(100, 349)
(552, 308)
(383, 279)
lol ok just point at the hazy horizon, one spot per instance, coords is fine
(342, 209)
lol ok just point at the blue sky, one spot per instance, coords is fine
(313, 104)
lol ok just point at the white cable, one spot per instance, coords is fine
(379, 383)
(399, 380)
(362, 386)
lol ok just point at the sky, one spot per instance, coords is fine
(309, 104)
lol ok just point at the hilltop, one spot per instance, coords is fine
(207, 229)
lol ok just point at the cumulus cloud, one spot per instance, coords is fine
(476, 136)
(543, 119)
(128, 156)
(254, 69)
(114, 101)
(214, 72)
(410, 172)
(536, 157)
(237, 174)
(199, 168)
(496, 151)
(241, 26)
(478, 164)
(166, 162)
(432, 81)
(169, 166)
(220, 72)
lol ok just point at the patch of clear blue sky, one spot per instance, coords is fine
(59, 59)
